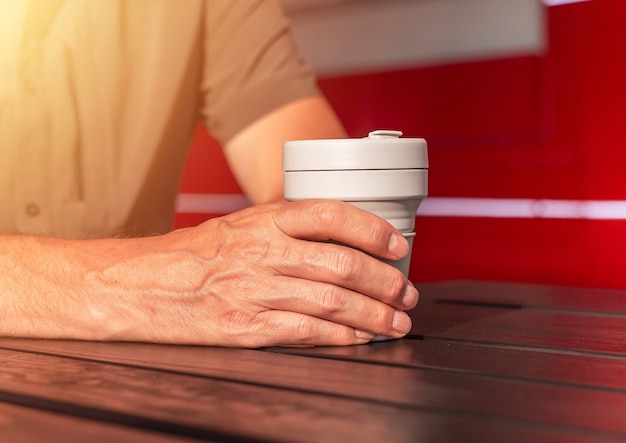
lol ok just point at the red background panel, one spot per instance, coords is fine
(531, 126)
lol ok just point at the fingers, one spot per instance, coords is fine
(338, 305)
(322, 220)
(348, 268)
(286, 328)
(299, 289)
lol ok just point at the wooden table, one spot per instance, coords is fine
(484, 362)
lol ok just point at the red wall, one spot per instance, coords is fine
(547, 126)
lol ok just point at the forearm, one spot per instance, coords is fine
(255, 154)
(91, 289)
(45, 288)
(258, 277)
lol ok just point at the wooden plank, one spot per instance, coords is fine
(528, 295)
(195, 406)
(589, 371)
(392, 404)
(26, 425)
(251, 366)
(573, 331)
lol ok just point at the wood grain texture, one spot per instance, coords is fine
(588, 300)
(203, 407)
(340, 394)
(542, 365)
(570, 331)
(26, 425)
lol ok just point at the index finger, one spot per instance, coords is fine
(323, 220)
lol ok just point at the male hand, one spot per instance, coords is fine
(273, 274)
(267, 276)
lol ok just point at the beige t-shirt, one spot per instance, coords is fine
(100, 98)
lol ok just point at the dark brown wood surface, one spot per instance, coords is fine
(484, 362)
(528, 295)
(547, 329)
(26, 424)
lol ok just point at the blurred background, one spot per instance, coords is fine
(523, 105)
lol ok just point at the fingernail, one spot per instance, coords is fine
(398, 245)
(410, 297)
(401, 323)
(363, 335)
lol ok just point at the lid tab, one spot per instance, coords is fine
(384, 133)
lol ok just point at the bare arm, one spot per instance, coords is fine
(255, 153)
(257, 277)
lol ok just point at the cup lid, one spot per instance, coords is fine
(381, 149)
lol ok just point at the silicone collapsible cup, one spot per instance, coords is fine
(381, 173)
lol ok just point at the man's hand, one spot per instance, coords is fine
(268, 275)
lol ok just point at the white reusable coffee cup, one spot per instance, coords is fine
(381, 173)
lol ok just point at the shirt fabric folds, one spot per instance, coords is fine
(99, 101)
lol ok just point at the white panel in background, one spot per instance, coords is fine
(523, 208)
(355, 36)
(446, 207)
(561, 2)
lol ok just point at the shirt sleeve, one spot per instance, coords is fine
(251, 65)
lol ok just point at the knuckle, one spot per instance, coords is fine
(376, 231)
(327, 213)
(330, 299)
(321, 212)
(237, 321)
(346, 264)
(240, 282)
(305, 330)
(251, 330)
(395, 289)
(381, 320)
